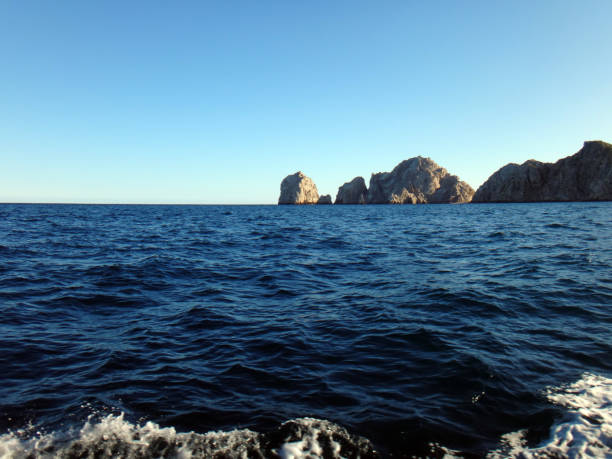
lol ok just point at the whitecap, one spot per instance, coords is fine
(585, 431)
(113, 436)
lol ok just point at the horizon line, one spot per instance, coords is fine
(132, 203)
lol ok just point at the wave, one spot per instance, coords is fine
(113, 436)
(585, 431)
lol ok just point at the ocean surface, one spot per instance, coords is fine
(306, 331)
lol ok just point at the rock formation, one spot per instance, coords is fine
(416, 181)
(325, 199)
(353, 192)
(585, 176)
(298, 189)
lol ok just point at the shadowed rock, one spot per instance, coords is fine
(584, 176)
(452, 190)
(353, 192)
(325, 199)
(298, 189)
(417, 181)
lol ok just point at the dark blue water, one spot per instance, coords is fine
(409, 326)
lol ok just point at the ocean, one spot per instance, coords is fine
(478, 330)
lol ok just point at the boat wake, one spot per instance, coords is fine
(585, 431)
(113, 436)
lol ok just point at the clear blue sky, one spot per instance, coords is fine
(216, 102)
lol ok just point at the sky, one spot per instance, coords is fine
(215, 102)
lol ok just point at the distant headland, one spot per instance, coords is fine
(584, 176)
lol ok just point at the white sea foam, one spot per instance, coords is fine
(112, 436)
(309, 444)
(586, 431)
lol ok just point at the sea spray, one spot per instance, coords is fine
(585, 430)
(113, 436)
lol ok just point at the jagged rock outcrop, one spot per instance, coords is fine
(353, 192)
(325, 199)
(584, 176)
(417, 181)
(298, 189)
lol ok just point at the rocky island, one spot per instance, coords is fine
(414, 181)
(298, 189)
(353, 192)
(325, 199)
(417, 181)
(584, 176)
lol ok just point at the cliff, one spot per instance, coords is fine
(298, 189)
(353, 192)
(417, 181)
(584, 176)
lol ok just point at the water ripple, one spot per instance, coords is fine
(409, 325)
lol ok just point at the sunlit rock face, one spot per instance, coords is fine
(298, 189)
(353, 192)
(417, 181)
(584, 176)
